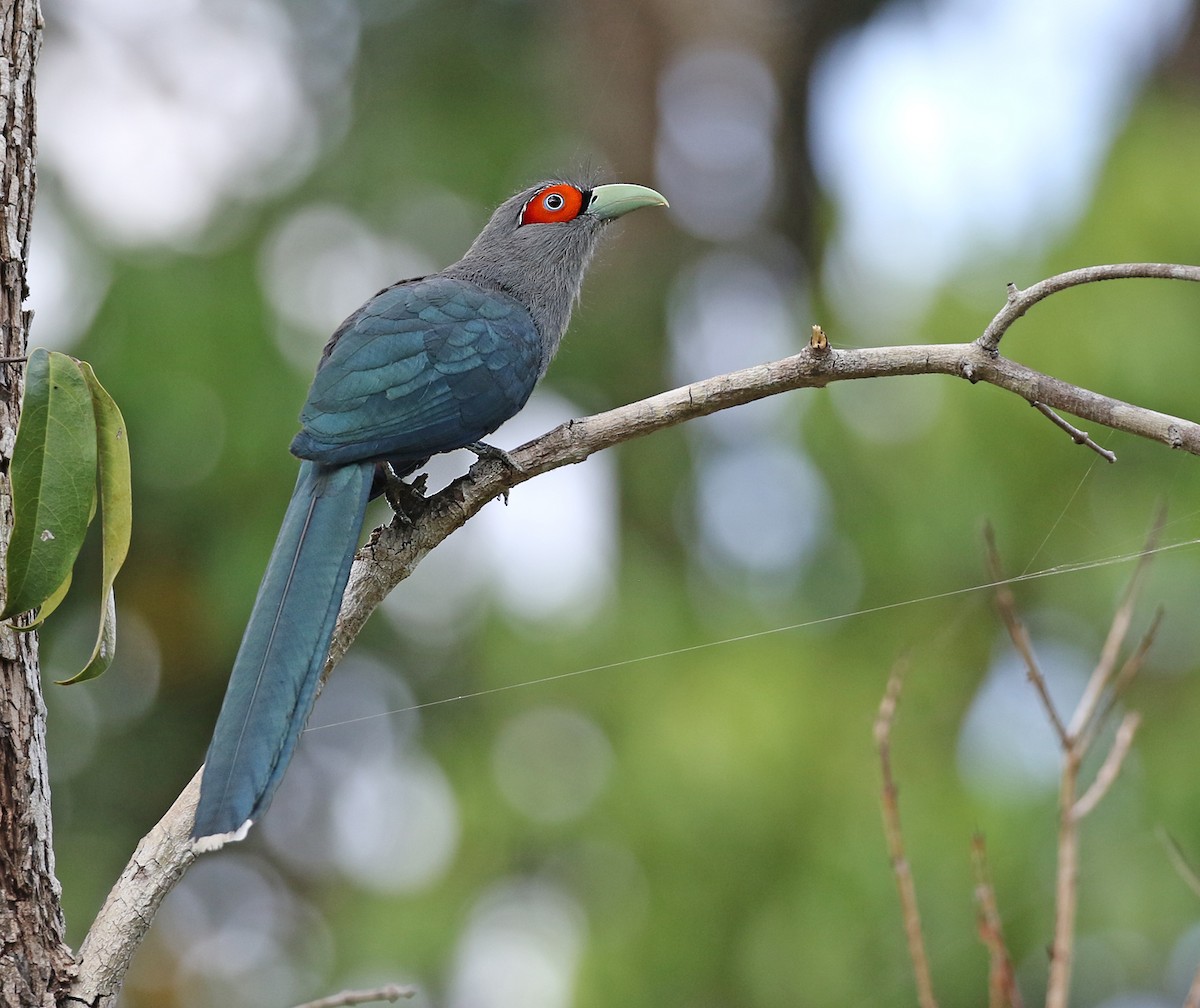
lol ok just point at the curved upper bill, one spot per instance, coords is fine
(609, 201)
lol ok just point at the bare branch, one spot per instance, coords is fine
(1066, 886)
(1128, 672)
(1133, 664)
(1078, 436)
(1111, 766)
(1189, 875)
(159, 861)
(895, 840)
(1085, 717)
(395, 550)
(1097, 701)
(1179, 861)
(390, 992)
(1007, 607)
(1002, 979)
(1020, 301)
(1193, 994)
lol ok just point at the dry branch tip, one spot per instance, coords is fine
(901, 869)
(1080, 437)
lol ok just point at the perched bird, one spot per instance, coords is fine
(426, 366)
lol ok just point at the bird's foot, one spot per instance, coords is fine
(486, 451)
(403, 498)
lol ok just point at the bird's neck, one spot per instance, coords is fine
(545, 281)
(549, 292)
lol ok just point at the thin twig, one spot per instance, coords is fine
(1193, 994)
(1007, 607)
(1002, 979)
(1020, 301)
(895, 840)
(1084, 718)
(1111, 766)
(1080, 437)
(1128, 672)
(1066, 886)
(1179, 861)
(1189, 875)
(389, 992)
(1105, 670)
(1094, 706)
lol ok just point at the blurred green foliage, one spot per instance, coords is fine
(734, 855)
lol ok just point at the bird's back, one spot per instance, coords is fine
(425, 366)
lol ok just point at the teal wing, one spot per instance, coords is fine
(424, 367)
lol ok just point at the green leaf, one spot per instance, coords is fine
(106, 644)
(47, 607)
(53, 480)
(116, 518)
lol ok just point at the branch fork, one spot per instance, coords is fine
(1076, 738)
(393, 551)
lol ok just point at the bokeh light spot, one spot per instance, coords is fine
(551, 763)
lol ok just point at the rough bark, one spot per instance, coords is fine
(35, 963)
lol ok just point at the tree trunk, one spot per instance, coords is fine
(35, 963)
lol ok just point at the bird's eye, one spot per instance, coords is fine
(555, 204)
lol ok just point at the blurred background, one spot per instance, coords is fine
(684, 811)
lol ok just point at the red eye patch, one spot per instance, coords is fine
(553, 205)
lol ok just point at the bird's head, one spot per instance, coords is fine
(538, 244)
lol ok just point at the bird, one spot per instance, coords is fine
(428, 365)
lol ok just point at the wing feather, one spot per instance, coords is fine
(424, 367)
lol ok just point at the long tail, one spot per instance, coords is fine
(274, 681)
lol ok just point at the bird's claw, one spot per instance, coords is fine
(401, 497)
(486, 451)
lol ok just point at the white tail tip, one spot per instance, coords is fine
(215, 841)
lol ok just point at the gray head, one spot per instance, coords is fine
(538, 244)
